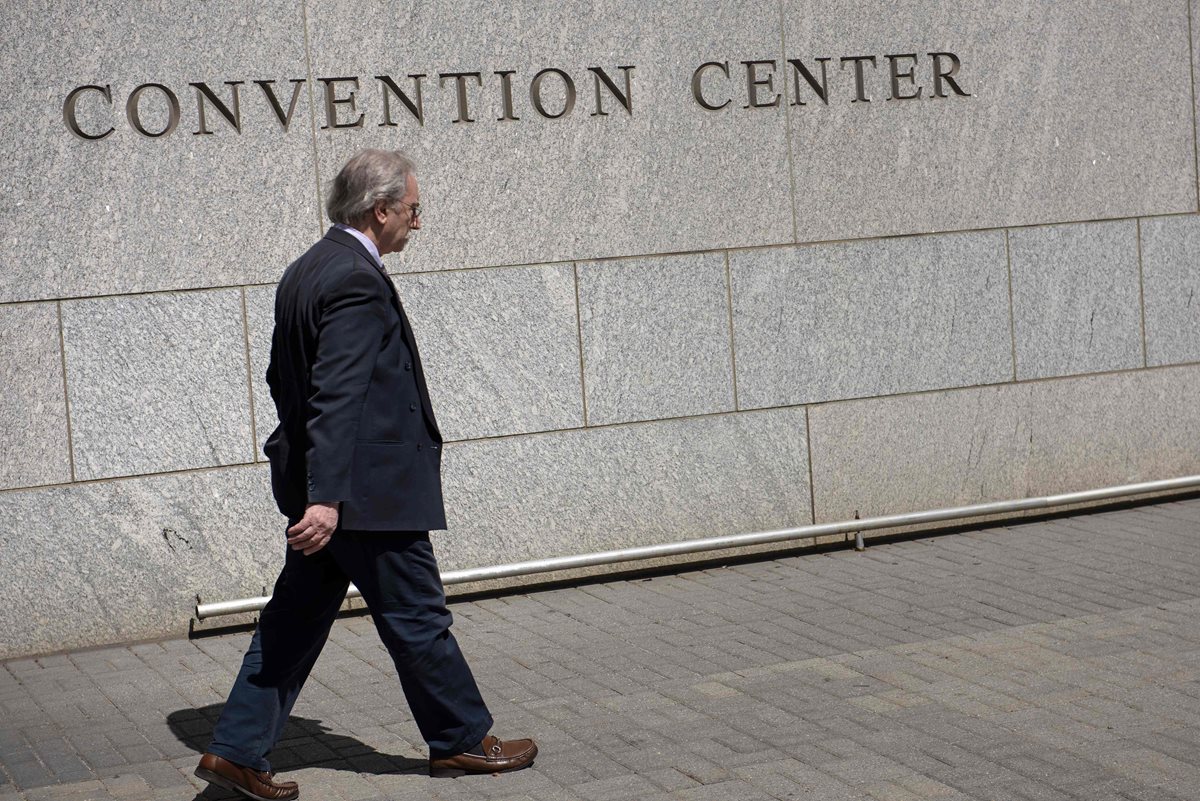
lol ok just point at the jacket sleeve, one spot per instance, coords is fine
(350, 330)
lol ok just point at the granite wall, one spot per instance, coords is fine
(686, 269)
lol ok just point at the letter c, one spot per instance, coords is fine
(72, 122)
(698, 89)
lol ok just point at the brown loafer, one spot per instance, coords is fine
(498, 755)
(256, 784)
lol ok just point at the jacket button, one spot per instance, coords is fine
(412, 407)
(408, 365)
(418, 446)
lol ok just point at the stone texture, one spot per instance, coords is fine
(580, 491)
(129, 213)
(860, 319)
(669, 178)
(122, 560)
(260, 322)
(157, 382)
(1076, 298)
(1170, 283)
(1194, 12)
(500, 348)
(33, 409)
(893, 455)
(655, 338)
(1079, 110)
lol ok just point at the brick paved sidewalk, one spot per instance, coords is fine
(1042, 661)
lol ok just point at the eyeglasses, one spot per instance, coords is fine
(415, 208)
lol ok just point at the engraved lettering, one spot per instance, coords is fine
(896, 75)
(624, 98)
(415, 108)
(939, 75)
(506, 95)
(70, 119)
(698, 84)
(332, 101)
(285, 119)
(753, 82)
(460, 81)
(535, 93)
(860, 90)
(553, 93)
(800, 71)
(133, 110)
(206, 95)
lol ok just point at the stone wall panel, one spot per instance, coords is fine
(500, 348)
(655, 338)
(33, 406)
(1076, 299)
(157, 382)
(892, 455)
(136, 551)
(1171, 286)
(575, 492)
(822, 322)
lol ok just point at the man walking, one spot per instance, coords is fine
(355, 466)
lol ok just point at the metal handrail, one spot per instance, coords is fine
(204, 611)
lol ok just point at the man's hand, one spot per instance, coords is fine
(315, 529)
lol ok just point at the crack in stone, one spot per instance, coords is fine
(170, 535)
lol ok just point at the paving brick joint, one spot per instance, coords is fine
(1040, 661)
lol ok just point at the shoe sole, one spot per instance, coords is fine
(454, 773)
(219, 780)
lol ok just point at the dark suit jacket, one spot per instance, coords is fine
(355, 422)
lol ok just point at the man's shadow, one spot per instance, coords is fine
(304, 743)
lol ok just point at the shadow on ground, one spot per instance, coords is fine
(305, 743)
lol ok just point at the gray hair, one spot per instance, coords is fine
(369, 176)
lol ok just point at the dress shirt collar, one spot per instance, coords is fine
(361, 237)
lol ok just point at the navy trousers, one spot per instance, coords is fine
(398, 577)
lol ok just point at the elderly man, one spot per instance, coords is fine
(355, 466)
